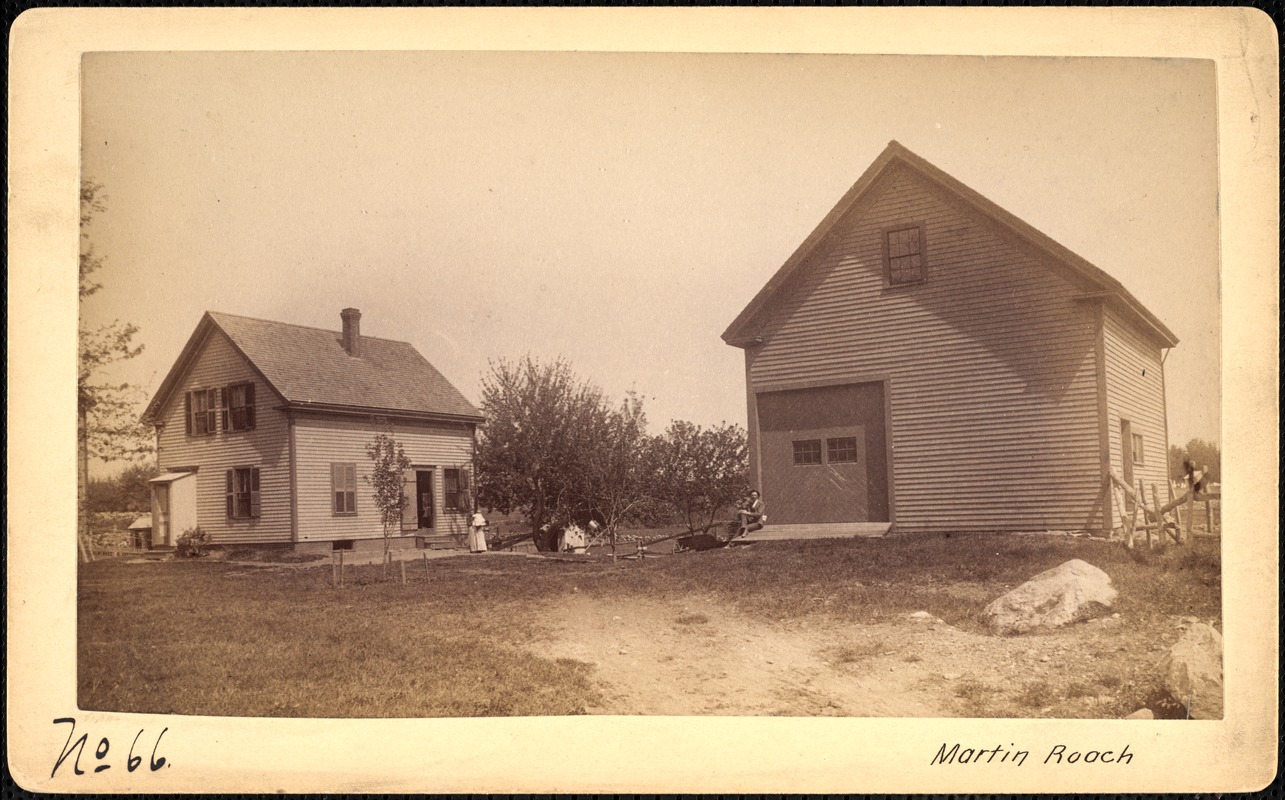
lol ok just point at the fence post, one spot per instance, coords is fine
(341, 569)
(1160, 518)
(334, 569)
(1118, 497)
(426, 563)
(1191, 515)
(1209, 517)
(402, 563)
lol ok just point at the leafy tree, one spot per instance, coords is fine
(1203, 453)
(540, 422)
(388, 481)
(614, 476)
(108, 426)
(128, 491)
(700, 472)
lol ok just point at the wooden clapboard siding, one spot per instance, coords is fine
(217, 364)
(1135, 391)
(321, 441)
(991, 362)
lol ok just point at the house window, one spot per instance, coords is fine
(238, 407)
(343, 489)
(904, 255)
(200, 405)
(455, 487)
(807, 451)
(1137, 449)
(842, 449)
(243, 493)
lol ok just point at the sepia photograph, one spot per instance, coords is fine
(428, 384)
(754, 408)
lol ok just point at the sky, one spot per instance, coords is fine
(616, 210)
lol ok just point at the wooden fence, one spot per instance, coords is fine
(1156, 518)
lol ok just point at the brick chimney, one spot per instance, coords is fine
(352, 331)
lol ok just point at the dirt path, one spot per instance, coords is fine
(698, 658)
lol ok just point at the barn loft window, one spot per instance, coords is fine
(243, 493)
(455, 487)
(1137, 449)
(199, 408)
(343, 489)
(841, 450)
(904, 255)
(238, 407)
(807, 452)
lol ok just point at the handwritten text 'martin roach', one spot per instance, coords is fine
(1015, 757)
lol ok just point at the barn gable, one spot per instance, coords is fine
(895, 157)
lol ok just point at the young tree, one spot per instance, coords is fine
(539, 421)
(700, 472)
(107, 422)
(388, 482)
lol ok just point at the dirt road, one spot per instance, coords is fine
(700, 659)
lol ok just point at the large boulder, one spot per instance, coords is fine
(1192, 672)
(1072, 592)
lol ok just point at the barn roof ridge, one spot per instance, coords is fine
(742, 331)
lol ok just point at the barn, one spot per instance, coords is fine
(927, 362)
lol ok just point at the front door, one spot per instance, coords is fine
(424, 498)
(161, 514)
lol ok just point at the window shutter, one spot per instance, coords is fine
(187, 413)
(410, 514)
(249, 405)
(254, 492)
(337, 488)
(231, 498)
(350, 488)
(211, 404)
(223, 404)
(466, 500)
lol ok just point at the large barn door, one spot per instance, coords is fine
(823, 454)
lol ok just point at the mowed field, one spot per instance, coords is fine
(802, 628)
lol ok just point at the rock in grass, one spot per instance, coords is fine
(1192, 672)
(1072, 592)
(1142, 713)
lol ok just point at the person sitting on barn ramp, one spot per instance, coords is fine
(752, 516)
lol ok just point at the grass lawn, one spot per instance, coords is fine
(210, 637)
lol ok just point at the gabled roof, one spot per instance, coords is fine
(746, 327)
(309, 368)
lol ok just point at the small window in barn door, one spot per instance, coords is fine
(903, 255)
(807, 452)
(343, 489)
(841, 450)
(1138, 457)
